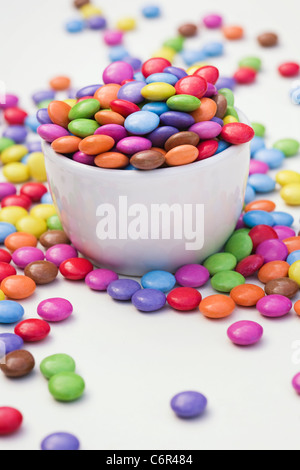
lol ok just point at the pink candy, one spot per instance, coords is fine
(55, 310)
(25, 255)
(274, 306)
(99, 279)
(272, 250)
(51, 132)
(57, 254)
(213, 21)
(113, 38)
(258, 167)
(117, 72)
(245, 333)
(192, 275)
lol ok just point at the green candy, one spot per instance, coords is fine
(220, 262)
(259, 129)
(44, 104)
(251, 62)
(83, 127)
(232, 112)
(242, 230)
(175, 43)
(240, 245)
(66, 386)
(56, 364)
(184, 103)
(227, 280)
(5, 143)
(228, 95)
(290, 147)
(85, 109)
(53, 223)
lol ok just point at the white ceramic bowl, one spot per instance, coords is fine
(82, 195)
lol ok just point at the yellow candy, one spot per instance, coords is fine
(16, 172)
(166, 53)
(191, 70)
(229, 119)
(15, 153)
(70, 102)
(36, 164)
(126, 24)
(2, 295)
(12, 214)
(287, 177)
(33, 225)
(294, 272)
(158, 91)
(43, 211)
(290, 193)
(87, 11)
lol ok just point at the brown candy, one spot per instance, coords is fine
(222, 105)
(182, 138)
(54, 237)
(268, 39)
(41, 272)
(188, 30)
(80, 3)
(147, 160)
(282, 286)
(18, 364)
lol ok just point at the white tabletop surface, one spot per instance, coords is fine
(133, 363)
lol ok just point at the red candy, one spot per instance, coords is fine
(32, 330)
(5, 257)
(261, 233)
(210, 73)
(245, 75)
(15, 116)
(76, 269)
(289, 69)
(155, 65)
(35, 191)
(85, 98)
(6, 270)
(184, 299)
(207, 149)
(20, 201)
(192, 85)
(123, 107)
(237, 133)
(250, 265)
(10, 420)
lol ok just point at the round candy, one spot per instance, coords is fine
(9, 342)
(289, 147)
(115, 131)
(258, 217)
(184, 299)
(59, 253)
(113, 38)
(158, 91)
(6, 270)
(261, 233)
(250, 265)
(245, 333)
(261, 205)
(177, 119)
(147, 160)
(25, 255)
(282, 286)
(7, 189)
(184, 103)
(19, 201)
(60, 441)
(192, 275)
(182, 155)
(247, 295)
(284, 232)
(99, 279)
(294, 272)
(155, 65)
(274, 306)
(5, 257)
(296, 308)
(41, 272)
(189, 404)
(239, 245)
(10, 312)
(142, 122)
(57, 364)
(289, 69)
(225, 281)
(18, 364)
(32, 330)
(123, 289)
(54, 237)
(96, 144)
(11, 215)
(220, 262)
(217, 306)
(206, 129)
(160, 136)
(66, 386)
(292, 244)
(151, 11)
(268, 39)
(296, 383)
(18, 287)
(76, 269)
(83, 127)
(159, 280)
(149, 300)
(237, 133)
(55, 309)
(133, 144)
(188, 30)
(273, 270)
(245, 75)
(117, 72)
(10, 420)
(272, 250)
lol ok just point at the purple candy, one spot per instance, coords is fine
(123, 289)
(97, 22)
(60, 441)
(245, 333)
(258, 167)
(16, 133)
(295, 382)
(211, 90)
(10, 342)
(284, 232)
(55, 310)
(83, 158)
(132, 92)
(7, 189)
(160, 136)
(132, 145)
(40, 96)
(272, 250)
(115, 131)
(87, 91)
(135, 63)
(192, 275)
(57, 254)
(177, 119)
(226, 82)
(218, 121)
(213, 21)
(178, 72)
(206, 129)
(117, 72)
(189, 404)
(34, 146)
(27, 254)
(51, 132)
(240, 223)
(43, 117)
(274, 306)
(10, 101)
(149, 300)
(99, 279)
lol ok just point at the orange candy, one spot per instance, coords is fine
(273, 270)
(233, 32)
(297, 307)
(60, 83)
(67, 144)
(109, 117)
(106, 94)
(112, 160)
(217, 306)
(157, 149)
(96, 144)
(59, 113)
(207, 110)
(247, 295)
(19, 240)
(182, 155)
(292, 244)
(18, 287)
(262, 205)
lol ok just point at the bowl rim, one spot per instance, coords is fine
(168, 171)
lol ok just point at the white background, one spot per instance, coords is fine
(133, 363)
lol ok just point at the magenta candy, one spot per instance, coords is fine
(113, 38)
(245, 333)
(59, 253)
(115, 131)
(274, 306)
(99, 279)
(7, 189)
(51, 132)
(81, 157)
(272, 250)
(192, 275)
(213, 21)
(11, 101)
(296, 383)
(211, 90)
(55, 310)
(117, 72)
(132, 145)
(26, 255)
(258, 167)
(240, 223)
(284, 232)
(206, 129)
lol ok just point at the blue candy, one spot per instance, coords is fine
(293, 257)
(5, 230)
(151, 11)
(160, 280)
(162, 77)
(10, 311)
(177, 71)
(25, 159)
(254, 218)
(32, 122)
(139, 77)
(141, 122)
(262, 183)
(282, 218)
(222, 145)
(47, 199)
(75, 26)
(117, 53)
(156, 107)
(213, 49)
(273, 157)
(149, 300)
(257, 144)
(130, 167)
(10, 342)
(123, 289)
(190, 57)
(296, 96)
(250, 194)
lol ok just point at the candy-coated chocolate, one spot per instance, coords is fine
(5, 257)
(54, 237)
(292, 244)
(268, 39)
(27, 254)
(192, 85)
(217, 306)
(41, 272)
(112, 160)
(18, 364)
(294, 272)
(182, 155)
(18, 287)
(272, 250)
(69, 144)
(19, 201)
(250, 265)
(207, 110)
(66, 386)
(273, 270)
(237, 133)
(245, 333)
(133, 144)
(282, 286)
(192, 275)
(141, 123)
(59, 253)
(189, 404)
(10, 312)
(182, 138)
(96, 144)
(220, 262)
(149, 300)
(147, 160)
(225, 281)
(10, 420)
(56, 364)
(233, 33)
(261, 233)
(59, 113)
(115, 131)
(240, 245)
(123, 289)
(9, 342)
(261, 205)
(99, 279)
(159, 280)
(60, 441)
(184, 299)
(6, 270)
(247, 295)
(207, 149)
(76, 269)
(55, 309)
(188, 30)
(32, 330)
(117, 72)
(274, 306)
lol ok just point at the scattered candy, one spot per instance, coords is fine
(189, 404)
(245, 333)
(60, 441)
(57, 364)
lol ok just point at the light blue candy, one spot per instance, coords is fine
(254, 218)
(47, 199)
(293, 257)
(130, 167)
(117, 53)
(257, 144)
(157, 107)
(139, 77)
(160, 280)
(32, 123)
(190, 57)
(10, 312)
(250, 194)
(213, 49)
(142, 122)
(262, 183)
(282, 218)
(5, 230)
(75, 26)
(151, 11)
(25, 159)
(296, 96)
(162, 77)
(272, 157)
(222, 145)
